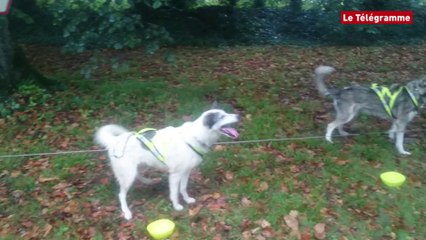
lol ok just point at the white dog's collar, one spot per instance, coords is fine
(197, 151)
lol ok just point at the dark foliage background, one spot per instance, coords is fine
(183, 23)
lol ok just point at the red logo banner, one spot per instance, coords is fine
(376, 17)
(5, 6)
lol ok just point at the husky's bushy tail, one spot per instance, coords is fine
(106, 135)
(322, 73)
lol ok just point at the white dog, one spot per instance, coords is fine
(176, 150)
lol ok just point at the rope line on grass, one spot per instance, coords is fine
(283, 139)
(51, 153)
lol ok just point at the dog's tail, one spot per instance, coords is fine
(322, 73)
(107, 135)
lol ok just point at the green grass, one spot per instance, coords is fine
(238, 186)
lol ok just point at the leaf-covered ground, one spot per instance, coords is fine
(295, 189)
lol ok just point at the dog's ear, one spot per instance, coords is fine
(210, 119)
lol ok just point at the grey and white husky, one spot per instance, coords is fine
(405, 103)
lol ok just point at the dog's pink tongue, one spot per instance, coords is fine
(232, 132)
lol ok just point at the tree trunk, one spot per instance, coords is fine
(14, 65)
(7, 76)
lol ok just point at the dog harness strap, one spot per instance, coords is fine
(412, 97)
(145, 130)
(198, 152)
(148, 143)
(382, 93)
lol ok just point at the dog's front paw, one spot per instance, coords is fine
(128, 215)
(190, 200)
(328, 138)
(403, 152)
(178, 207)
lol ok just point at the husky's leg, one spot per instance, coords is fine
(343, 116)
(338, 123)
(330, 128)
(400, 125)
(392, 131)
(342, 132)
(400, 131)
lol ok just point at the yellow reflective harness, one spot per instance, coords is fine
(147, 134)
(144, 136)
(388, 98)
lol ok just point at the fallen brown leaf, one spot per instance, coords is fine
(220, 204)
(217, 195)
(294, 169)
(47, 229)
(263, 223)
(306, 234)
(195, 210)
(42, 179)
(340, 162)
(104, 181)
(293, 223)
(65, 143)
(268, 232)
(229, 175)
(319, 231)
(245, 224)
(260, 237)
(263, 186)
(219, 148)
(205, 197)
(284, 188)
(71, 207)
(15, 174)
(217, 237)
(27, 223)
(245, 202)
(222, 226)
(247, 235)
